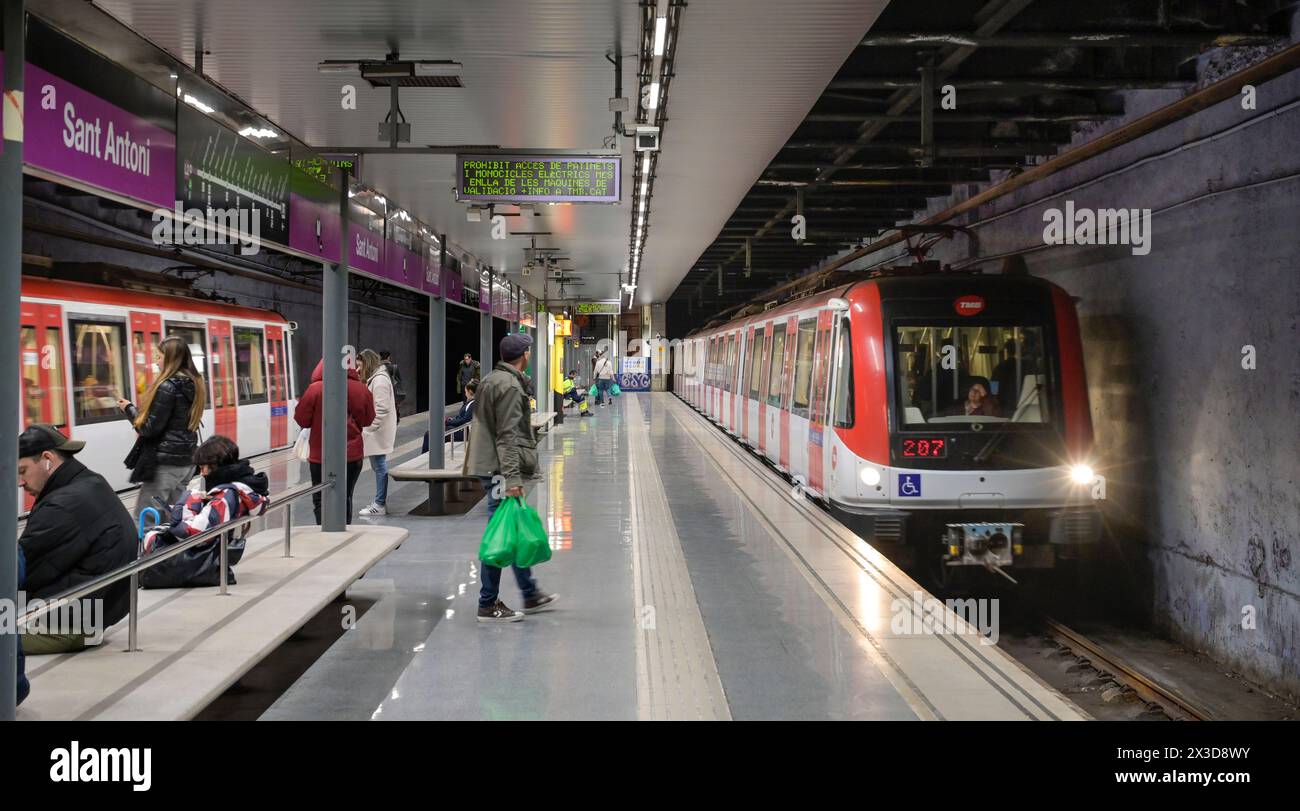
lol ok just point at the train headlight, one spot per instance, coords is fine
(870, 476)
(1082, 474)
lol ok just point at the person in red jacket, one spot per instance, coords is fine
(308, 414)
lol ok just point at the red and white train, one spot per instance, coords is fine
(943, 416)
(83, 346)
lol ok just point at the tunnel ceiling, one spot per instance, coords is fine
(1027, 75)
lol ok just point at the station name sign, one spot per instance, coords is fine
(537, 179)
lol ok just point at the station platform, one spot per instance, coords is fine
(692, 586)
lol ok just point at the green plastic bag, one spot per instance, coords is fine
(514, 536)
(615, 391)
(593, 391)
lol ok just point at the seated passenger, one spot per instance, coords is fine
(570, 390)
(78, 529)
(458, 419)
(231, 491)
(979, 402)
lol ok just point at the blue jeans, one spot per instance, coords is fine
(491, 575)
(603, 386)
(380, 465)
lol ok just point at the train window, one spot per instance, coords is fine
(250, 365)
(731, 363)
(99, 370)
(43, 402)
(756, 365)
(803, 363)
(194, 336)
(982, 373)
(775, 372)
(844, 377)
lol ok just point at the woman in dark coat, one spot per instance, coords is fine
(166, 423)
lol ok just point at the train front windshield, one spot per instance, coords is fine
(971, 373)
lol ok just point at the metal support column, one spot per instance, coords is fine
(485, 348)
(11, 268)
(337, 359)
(437, 398)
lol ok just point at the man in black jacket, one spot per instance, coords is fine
(77, 531)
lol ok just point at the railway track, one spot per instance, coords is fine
(1146, 687)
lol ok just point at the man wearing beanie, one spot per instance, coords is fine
(502, 451)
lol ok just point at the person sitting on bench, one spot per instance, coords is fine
(460, 418)
(569, 388)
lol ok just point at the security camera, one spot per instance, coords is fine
(647, 139)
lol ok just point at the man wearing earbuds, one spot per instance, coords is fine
(77, 531)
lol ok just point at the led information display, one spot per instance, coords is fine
(936, 448)
(597, 308)
(537, 179)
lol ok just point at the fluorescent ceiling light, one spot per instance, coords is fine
(258, 132)
(645, 165)
(195, 103)
(654, 96)
(661, 34)
(645, 186)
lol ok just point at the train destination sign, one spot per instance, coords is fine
(537, 179)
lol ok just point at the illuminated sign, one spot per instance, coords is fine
(563, 327)
(969, 305)
(322, 167)
(598, 307)
(936, 448)
(537, 179)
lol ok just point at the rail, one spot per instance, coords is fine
(132, 570)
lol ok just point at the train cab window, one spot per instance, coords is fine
(99, 370)
(803, 364)
(983, 373)
(755, 377)
(844, 377)
(43, 396)
(250, 366)
(776, 376)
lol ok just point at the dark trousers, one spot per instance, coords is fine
(603, 385)
(491, 575)
(354, 473)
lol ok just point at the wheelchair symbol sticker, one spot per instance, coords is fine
(909, 485)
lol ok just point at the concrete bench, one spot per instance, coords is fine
(194, 643)
(543, 420)
(418, 469)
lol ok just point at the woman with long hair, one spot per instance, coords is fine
(379, 437)
(166, 423)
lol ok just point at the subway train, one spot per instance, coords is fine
(84, 345)
(942, 416)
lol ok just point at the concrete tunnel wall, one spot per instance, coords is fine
(1201, 455)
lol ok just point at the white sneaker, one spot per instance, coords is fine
(374, 509)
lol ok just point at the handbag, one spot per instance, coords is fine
(302, 445)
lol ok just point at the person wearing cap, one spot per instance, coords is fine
(77, 530)
(502, 444)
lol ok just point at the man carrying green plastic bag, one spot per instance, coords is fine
(502, 451)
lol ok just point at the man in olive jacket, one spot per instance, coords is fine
(502, 452)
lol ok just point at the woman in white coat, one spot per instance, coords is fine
(380, 435)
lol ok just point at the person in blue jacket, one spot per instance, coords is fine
(24, 686)
(461, 417)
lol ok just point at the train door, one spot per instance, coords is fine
(221, 371)
(770, 393)
(800, 400)
(43, 378)
(737, 394)
(745, 384)
(146, 335)
(817, 439)
(729, 395)
(791, 333)
(277, 385)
